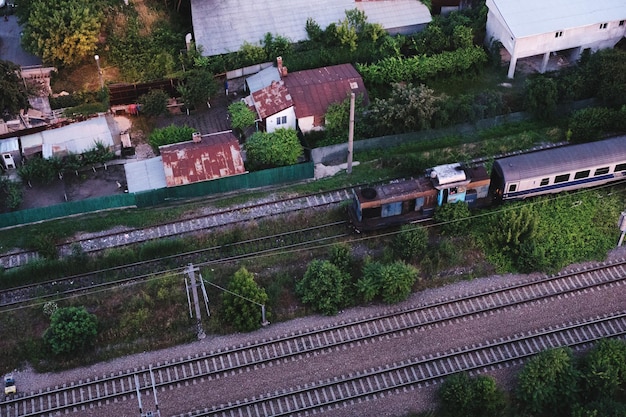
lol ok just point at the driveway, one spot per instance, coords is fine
(10, 47)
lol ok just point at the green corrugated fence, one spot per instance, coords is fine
(151, 198)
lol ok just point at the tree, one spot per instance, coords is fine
(267, 150)
(199, 85)
(461, 395)
(241, 117)
(548, 383)
(542, 97)
(13, 94)
(154, 102)
(62, 32)
(410, 242)
(396, 281)
(604, 370)
(324, 286)
(337, 121)
(244, 313)
(170, 134)
(72, 329)
(393, 282)
(10, 195)
(409, 108)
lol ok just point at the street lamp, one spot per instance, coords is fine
(97, 58)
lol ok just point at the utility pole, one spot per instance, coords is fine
(622, 227)
(350, 134)
(191, 271)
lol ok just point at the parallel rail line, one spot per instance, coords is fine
(186, 226)
(211, 365)
(217, 254)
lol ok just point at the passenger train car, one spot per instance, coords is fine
(559, 169)
(512, 178)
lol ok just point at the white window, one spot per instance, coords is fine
(281, 120)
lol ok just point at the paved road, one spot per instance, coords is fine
(10, 48)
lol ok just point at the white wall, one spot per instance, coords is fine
(271, 125)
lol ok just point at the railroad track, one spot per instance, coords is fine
(138, 271)
(346, 335)
(329, 394)
(185, 227)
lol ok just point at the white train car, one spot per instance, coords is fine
(560, 169)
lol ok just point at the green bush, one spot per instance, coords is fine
(461, 395)
(72, 329)
(592, 123)
(392, 282)
(269, 150)
(242, 304)
(169, 135)
(411, 242)
(154, 103)
(324, 286)
(452, 218)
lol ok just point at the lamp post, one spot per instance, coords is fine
(97, 58)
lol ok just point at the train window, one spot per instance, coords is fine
(601, 171)
(512, 187)
(544, 181)
(620, 167)
(561, 178)
(581, 174)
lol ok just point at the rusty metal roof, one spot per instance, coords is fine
(272, 99)
(314, 90)
(214, 156)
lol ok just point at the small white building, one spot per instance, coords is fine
(542, 27)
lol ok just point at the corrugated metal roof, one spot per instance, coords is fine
(214, 156)
(262, 79)
(533, 17)
(272, 99)
(145, 175)
(74, 138)
(312, 91)
(223, 26)
(560, 160)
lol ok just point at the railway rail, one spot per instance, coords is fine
(185, 227)
(265, 245)
(323, 395)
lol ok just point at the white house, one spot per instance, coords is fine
(541, 27)
(274, 106)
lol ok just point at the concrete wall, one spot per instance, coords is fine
(335, 154)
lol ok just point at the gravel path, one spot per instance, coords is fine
(318, 367)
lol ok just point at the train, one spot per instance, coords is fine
(516, 177)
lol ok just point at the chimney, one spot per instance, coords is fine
(279, 65)
(196, 137)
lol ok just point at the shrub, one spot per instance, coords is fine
(269, 150)
(324, 286)
(479, 396)
(154, 103)
(170, 134)
(242, 303)
(590, 124)
(241, 117)
(72, 329)
(410, 242)
(452, 217)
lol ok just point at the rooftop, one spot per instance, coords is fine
(532, 17)
(223, 26)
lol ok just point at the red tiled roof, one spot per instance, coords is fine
(312, 91)
(214, 156)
